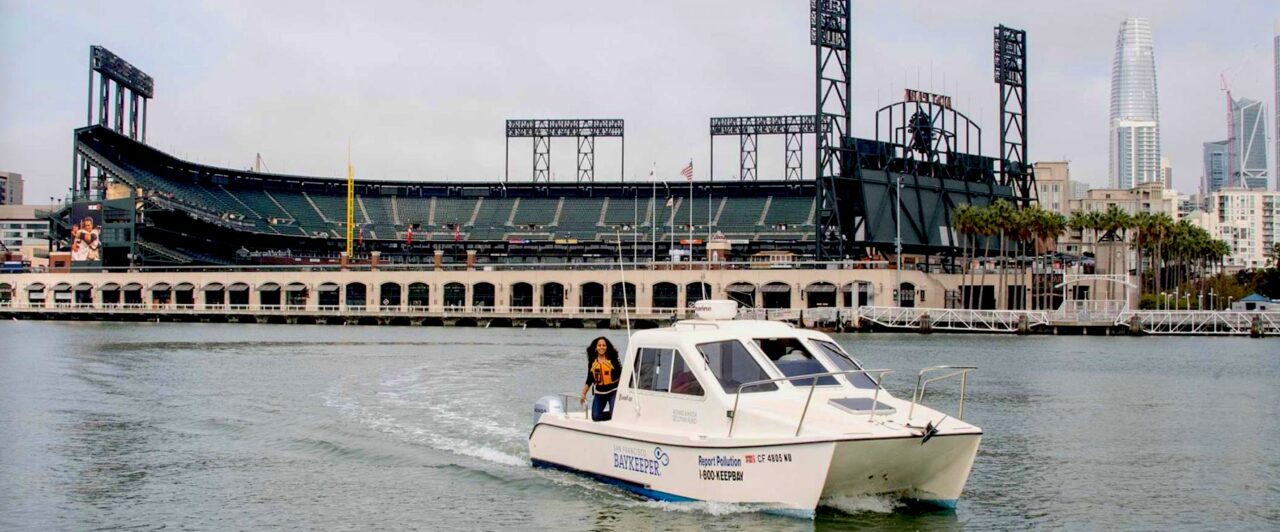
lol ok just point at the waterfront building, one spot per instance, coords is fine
(1215, 167)
(1248, 149)
(1276, 104)
(10, 188)
(1135, 124)
(1246, 220)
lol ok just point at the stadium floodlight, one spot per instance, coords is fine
(120, 71)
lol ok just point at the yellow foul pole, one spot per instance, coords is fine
(351, 198)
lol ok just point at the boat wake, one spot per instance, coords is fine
(403, 406)
(879, 504)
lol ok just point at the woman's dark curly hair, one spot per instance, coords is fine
(609, 351)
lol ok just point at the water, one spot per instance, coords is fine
(244, 427)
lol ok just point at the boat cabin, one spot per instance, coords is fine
(696, 377)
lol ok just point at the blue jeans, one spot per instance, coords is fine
(598, 403)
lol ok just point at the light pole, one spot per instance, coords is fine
(897, 242)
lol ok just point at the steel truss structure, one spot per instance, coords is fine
(585, 130)
(1011, 78)
(829, 33)
(749, 128)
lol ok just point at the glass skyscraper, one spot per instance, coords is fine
(1215, 167)
(1135, 109)
(1249, 144)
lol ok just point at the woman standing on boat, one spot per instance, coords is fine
(603, 370)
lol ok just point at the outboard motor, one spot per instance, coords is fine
(547, 404)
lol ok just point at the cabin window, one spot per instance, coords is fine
(792, 359)
(665, 370)
(734, 366)
(843, 361)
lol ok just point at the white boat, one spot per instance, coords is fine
(760, 413)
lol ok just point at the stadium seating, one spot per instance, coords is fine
(741, 215)
(414, 211)
(536, 211)
(453, 211)
(789, 211)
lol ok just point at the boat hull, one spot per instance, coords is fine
(933, 472)
(793, 477)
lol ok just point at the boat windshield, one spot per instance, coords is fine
(733, 366)
(791, 358)
(843, 361)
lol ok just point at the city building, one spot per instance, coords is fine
(10, 188)
(1166, 172)
(1248, 149)
(1078, 190)
(1215, 167)
(24, 232)
(1151, 197)
(1053, 185)
(1135, 124)
(1276, 105)
(1246, 220)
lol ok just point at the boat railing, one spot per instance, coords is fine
(570, 398)
(917, 395)
(813, 384)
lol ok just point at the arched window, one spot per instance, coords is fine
(623, 295)
(521, 296)
(455, 295)
(665, 295)
(389, 295)
(419, 296)
(482, 297)
(776, 295)
(552, 296)
(592, 297)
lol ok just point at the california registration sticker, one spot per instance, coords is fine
(751, 458)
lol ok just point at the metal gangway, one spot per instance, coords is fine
(1201, 322)
(954, 319)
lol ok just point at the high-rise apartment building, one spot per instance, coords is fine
(1135, 112)
(10, 188)
(1248, 150)
(1215, 167)
(1247, 221)
(1276, 104)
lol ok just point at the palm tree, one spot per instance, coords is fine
(1002, 218)
(1054, 226)
(963, 218)
(984, 226)
(1115, 223)
(1141, 225)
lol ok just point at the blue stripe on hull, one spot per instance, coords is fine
(628, 485)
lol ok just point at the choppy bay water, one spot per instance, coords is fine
(206, 426)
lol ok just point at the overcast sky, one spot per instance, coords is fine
(422, 89)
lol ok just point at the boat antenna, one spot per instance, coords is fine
(622, 273)
(626, 314)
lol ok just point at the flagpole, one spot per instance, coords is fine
(653, 226)
(690, 210)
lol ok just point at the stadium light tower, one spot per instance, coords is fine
(829, 33)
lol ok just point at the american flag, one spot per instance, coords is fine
(688, 172)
